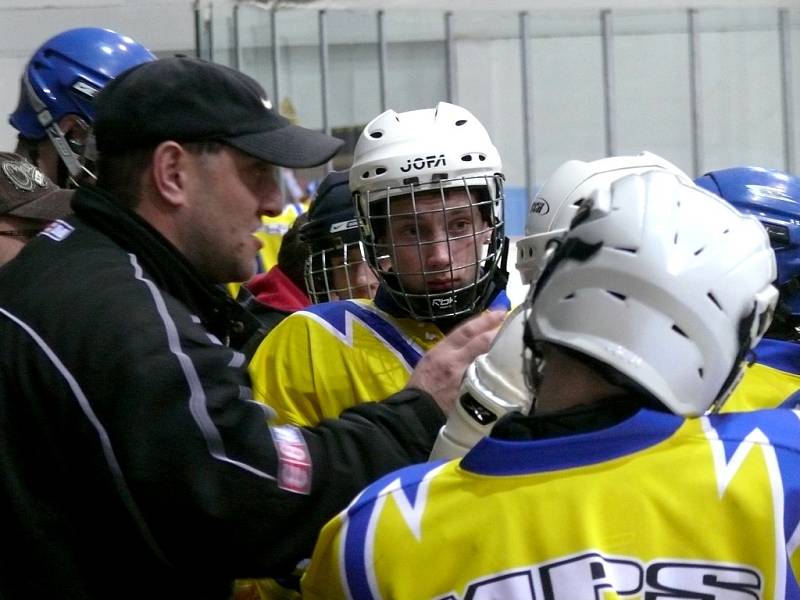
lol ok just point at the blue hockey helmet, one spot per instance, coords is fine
(774, 198)
(65, 74)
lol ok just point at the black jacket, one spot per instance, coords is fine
(134, 464)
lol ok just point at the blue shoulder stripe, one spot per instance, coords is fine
(492, 456)
(335, 314)
(360, 514)
(782, 428)
(779, 354)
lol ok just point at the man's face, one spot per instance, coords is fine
(229, 193)
(350, 275)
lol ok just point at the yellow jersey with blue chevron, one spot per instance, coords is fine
(773, 380)
(330, 356)
(654, 507)
(334, 355)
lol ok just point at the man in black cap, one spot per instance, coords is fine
(29, 201)
(132, 462)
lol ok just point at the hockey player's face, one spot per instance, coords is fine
(436, 240)
(233, 191)
(351, 275)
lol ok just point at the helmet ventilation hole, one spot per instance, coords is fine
(466, 157)
(371, 174)
(375, 135)
(461, 122)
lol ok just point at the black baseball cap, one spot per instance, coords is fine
(186, 99)
(27, 192)
(332, 213)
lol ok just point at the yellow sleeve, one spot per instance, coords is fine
(308, 369)
(322, 580)
(281, 372)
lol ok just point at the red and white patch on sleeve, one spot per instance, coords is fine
(294, 459)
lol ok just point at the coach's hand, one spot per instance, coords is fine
(440, 370)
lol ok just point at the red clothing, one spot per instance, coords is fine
(277, 291)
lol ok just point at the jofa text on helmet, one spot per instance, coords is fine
(424, 162)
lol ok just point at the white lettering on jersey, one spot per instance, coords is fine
(593, 576)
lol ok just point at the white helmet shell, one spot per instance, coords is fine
(557, 201)
(672, 289)
(401, 155)
(422, 147)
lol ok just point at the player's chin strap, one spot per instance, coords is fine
(76, 170)
(493, 386)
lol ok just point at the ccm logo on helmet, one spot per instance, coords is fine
(539, 206)
(423, 162)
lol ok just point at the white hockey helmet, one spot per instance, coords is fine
(662, 281)
(557, 201)
(493, 385)
(429, 150)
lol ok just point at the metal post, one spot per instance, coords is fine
(382, 60)
(198, 30)
(324, 68)
(273, 27)
(696, 116)
(237, 49)
(784, 32)
(450, 59)
(527, 108)
(209, 23)
(607, 34)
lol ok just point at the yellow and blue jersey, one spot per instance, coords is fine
(773, 380)
(330, 356)
(656, 506)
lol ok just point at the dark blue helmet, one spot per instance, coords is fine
(774, 198)
(335, 268)
(65, 74)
